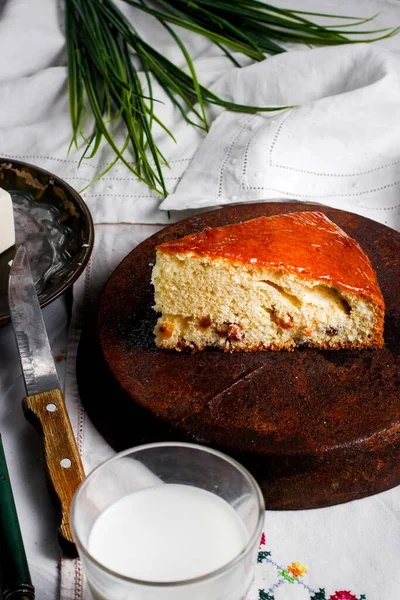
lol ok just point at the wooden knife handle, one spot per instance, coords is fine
(48, 414)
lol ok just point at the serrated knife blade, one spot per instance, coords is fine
(37, 362)
(44, 404)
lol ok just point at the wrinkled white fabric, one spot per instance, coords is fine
(347, 127)
(339, 146)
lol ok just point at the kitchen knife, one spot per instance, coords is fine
(44, 404)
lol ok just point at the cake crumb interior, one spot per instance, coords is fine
(248, 307)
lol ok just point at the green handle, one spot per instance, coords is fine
(15, 577)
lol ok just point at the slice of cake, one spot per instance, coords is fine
(272, 283)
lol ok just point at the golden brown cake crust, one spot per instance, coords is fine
(307, 244)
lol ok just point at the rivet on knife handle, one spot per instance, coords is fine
(47, 412)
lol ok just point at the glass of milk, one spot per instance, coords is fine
(169, 521)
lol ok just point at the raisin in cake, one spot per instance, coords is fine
(271, 283)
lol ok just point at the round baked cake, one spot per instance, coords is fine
(315, 427)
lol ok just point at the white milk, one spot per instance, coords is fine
(169, 533)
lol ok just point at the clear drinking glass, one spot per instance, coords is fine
(152, 466)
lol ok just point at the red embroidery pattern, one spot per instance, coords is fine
(293, 574)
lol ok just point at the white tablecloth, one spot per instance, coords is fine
(349, 550)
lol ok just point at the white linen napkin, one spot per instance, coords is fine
(340, 146)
